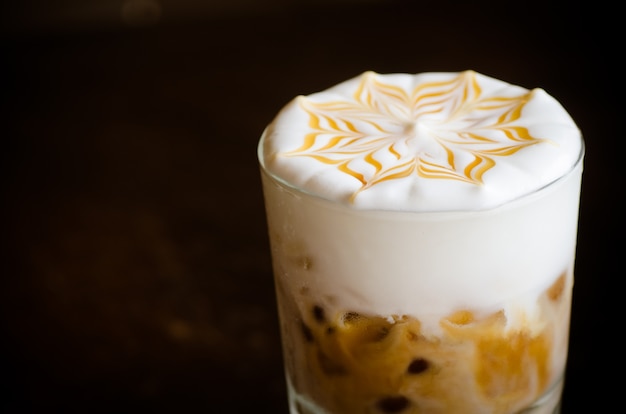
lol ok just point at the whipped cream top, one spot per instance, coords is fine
(424, 142)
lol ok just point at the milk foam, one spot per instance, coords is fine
(425, 142)
(483, 178)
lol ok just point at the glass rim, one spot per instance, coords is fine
(341, 204)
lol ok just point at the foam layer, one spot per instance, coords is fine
(425, 142)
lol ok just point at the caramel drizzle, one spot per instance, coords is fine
(464, 132)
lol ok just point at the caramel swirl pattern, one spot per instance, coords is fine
(439, 130)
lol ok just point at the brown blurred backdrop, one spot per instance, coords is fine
(135, 271)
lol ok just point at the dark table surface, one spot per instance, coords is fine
(136, 273)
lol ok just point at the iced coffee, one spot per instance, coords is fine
(423, 232)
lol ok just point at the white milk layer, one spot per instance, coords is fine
(425, 265)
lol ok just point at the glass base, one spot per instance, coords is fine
(549, 403)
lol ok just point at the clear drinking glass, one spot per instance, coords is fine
(364, 301)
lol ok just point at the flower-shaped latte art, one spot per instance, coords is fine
(439, 130)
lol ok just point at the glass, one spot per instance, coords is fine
(343, 274)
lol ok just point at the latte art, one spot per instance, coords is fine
(405, 131)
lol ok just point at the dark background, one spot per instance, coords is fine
(135, 272)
